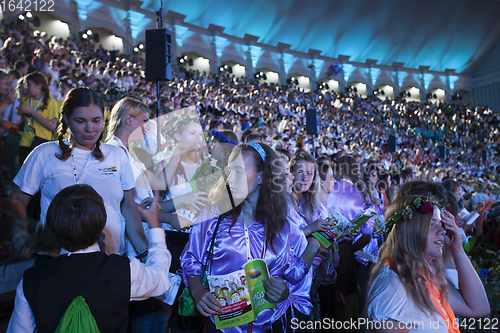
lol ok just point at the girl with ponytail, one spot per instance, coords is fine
(79, 157)
(39, 112)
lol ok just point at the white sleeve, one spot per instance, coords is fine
(151, 279)
(32, 173)
(22, 319)
(387, 299)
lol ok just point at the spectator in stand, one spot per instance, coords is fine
(10, 123)
(40, 114)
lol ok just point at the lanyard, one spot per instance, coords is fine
(30, 121)
(36, 107)
(87, 162)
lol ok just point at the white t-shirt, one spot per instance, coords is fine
(43, 171)
(387, 299)
(142, 187)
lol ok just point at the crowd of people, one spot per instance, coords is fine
(240, 179)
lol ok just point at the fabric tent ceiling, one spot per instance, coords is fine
(444, 34)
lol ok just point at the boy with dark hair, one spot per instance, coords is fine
(76, 217)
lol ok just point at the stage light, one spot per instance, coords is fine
(323, 86)
(260, 76)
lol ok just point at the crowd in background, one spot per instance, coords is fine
(454, 144)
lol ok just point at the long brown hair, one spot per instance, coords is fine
(371, 188)
(404, 251)
(309, 199)
(38, 78)
(272, 203)
(78, 97)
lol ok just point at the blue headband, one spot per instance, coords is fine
(221, 137)
(259, 149)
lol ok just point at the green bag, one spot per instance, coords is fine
(77, 318)
(187, 307)
(186, 300)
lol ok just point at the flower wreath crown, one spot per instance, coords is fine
(183, 121)
(423, 205)
(70, 82)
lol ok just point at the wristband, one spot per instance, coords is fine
(144, 253)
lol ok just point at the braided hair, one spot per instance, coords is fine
(78, 97)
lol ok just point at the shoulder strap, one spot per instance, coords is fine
(212, 243)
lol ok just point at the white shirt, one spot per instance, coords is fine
(142, 187)
(387, 299)
(146, 280)
(110, 177)
(10, 114)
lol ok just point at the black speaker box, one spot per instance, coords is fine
(442, 152)
(393, 145)
(312, 124)
(158, 55)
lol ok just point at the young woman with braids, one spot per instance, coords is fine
(256, 227)
(408, 291)
(81, 159)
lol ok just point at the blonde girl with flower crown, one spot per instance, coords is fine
(408, 289)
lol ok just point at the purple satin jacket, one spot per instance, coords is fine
(300, 293)
(346, 199)
(230, 254)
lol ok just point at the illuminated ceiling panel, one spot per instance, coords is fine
(446, 34)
